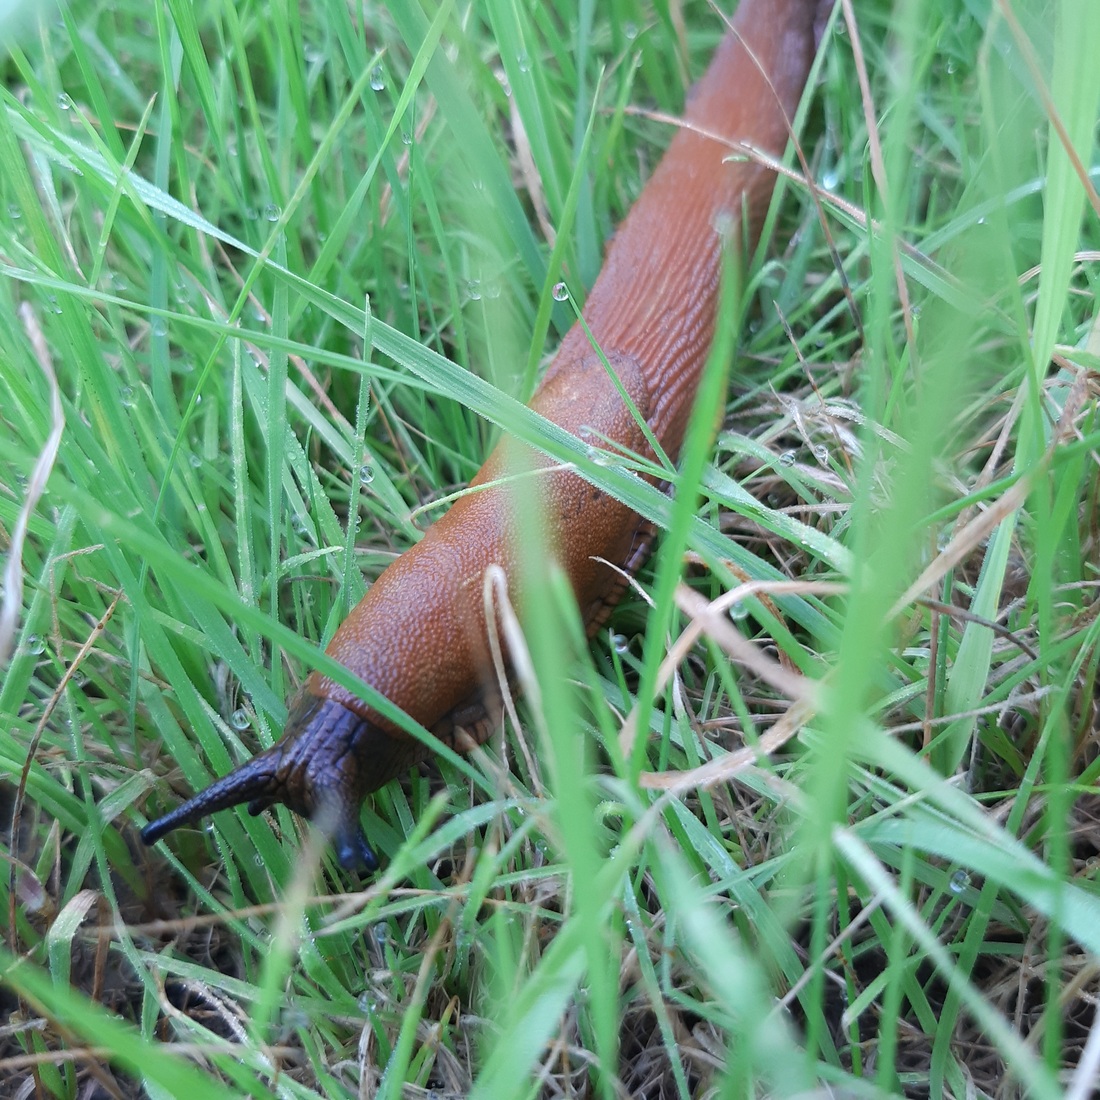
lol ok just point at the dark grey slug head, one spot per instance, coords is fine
(327, 761)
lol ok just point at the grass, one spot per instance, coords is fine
(291, 264)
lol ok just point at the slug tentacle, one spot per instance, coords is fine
(243, 783)
(315, 770)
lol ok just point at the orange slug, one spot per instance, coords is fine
(420, 636)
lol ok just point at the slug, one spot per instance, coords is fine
(419, 636)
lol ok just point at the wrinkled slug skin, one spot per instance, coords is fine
(419, 636)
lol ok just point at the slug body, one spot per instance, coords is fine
(420, 635)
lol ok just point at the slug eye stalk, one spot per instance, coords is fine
(315, 770)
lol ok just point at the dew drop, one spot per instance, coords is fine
(724, 224)
(960, 880)
(126, 395)
(14, 212)
(159, 326)
(560, 292)
(620, 643)
(272, 212)
(491, 290)
(523, 61)
(239, 719)
(739, 611)
(195, 460)
(787, 458)
(473, 290)
(64, 102)
(32, 897)
(35, 643)
(366, 473)
(406, 138)
(821, 453)
(377, 79)
(630, 30)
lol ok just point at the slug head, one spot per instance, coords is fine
(325, 764)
